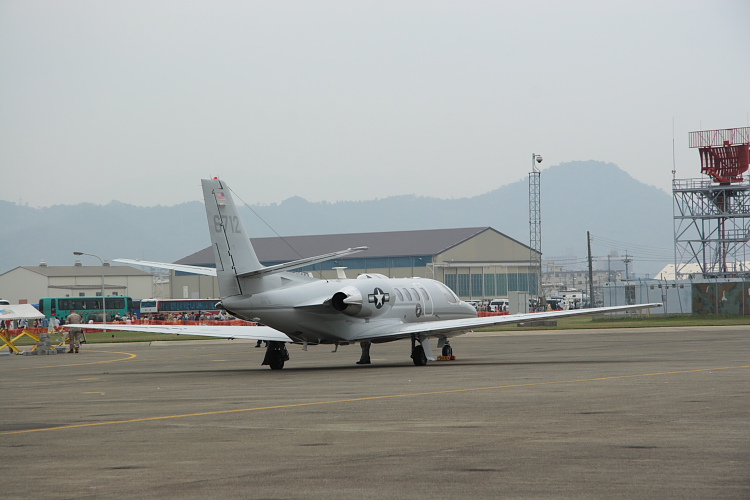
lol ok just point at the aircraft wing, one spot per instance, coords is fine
(225, 332)
(206, 271)
(453, 327)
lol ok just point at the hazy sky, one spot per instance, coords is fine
(343, 99)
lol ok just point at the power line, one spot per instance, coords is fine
(642, 252)
(623, 244)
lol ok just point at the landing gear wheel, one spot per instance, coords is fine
(447, 350)
(418, 356)
(276, 354)
(277, 363)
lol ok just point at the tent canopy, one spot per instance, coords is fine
(19, 311)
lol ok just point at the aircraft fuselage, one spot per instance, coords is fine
(345, 310)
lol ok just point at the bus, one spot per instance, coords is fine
(90, 308)
(165, 307)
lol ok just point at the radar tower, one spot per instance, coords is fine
(712, 214)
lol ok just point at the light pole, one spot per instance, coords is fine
(104, 299)
(535, 226)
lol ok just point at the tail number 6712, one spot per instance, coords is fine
(232, 224)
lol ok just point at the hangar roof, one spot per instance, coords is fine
(383, 244)
(62, 271)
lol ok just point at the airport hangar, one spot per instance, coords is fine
(475, 262)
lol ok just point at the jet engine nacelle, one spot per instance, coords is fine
(364, 303)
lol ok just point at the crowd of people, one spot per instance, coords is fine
(189, 316)
(56, 322)
(22, 324)
(74, 337)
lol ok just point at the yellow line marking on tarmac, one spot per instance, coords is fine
(128, 354)
(369, 398)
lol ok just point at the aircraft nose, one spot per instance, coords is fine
(469, 308)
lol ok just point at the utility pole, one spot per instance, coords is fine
(627, 261)
(591, 272)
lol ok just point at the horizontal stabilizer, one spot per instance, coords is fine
(308, 261)
(210, 271)
(206, 271)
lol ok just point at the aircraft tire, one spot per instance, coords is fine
(418, 356)
(277, 364)
(447, 350)
(276, 355)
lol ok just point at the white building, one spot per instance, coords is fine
(27, 284)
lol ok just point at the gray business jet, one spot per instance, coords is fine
(297, 308)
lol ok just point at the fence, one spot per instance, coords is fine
(719, 296)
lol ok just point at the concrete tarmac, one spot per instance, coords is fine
(603, 414)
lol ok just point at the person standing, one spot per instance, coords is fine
(74, 334)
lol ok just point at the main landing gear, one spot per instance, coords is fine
(422, 352)
(365, 357)
(276, 355)
(418, 355)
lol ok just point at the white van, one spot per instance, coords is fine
(499, 305)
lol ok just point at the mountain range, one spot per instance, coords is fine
(621, 213)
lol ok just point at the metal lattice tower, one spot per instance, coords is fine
(535, 228)
(712, 214)
(160, 278)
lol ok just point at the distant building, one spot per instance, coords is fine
(476, 263)
(693, 271)
(556, 279)
(27, 284)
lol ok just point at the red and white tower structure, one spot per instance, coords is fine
(712, 213)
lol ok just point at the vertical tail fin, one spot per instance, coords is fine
(233, 252)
